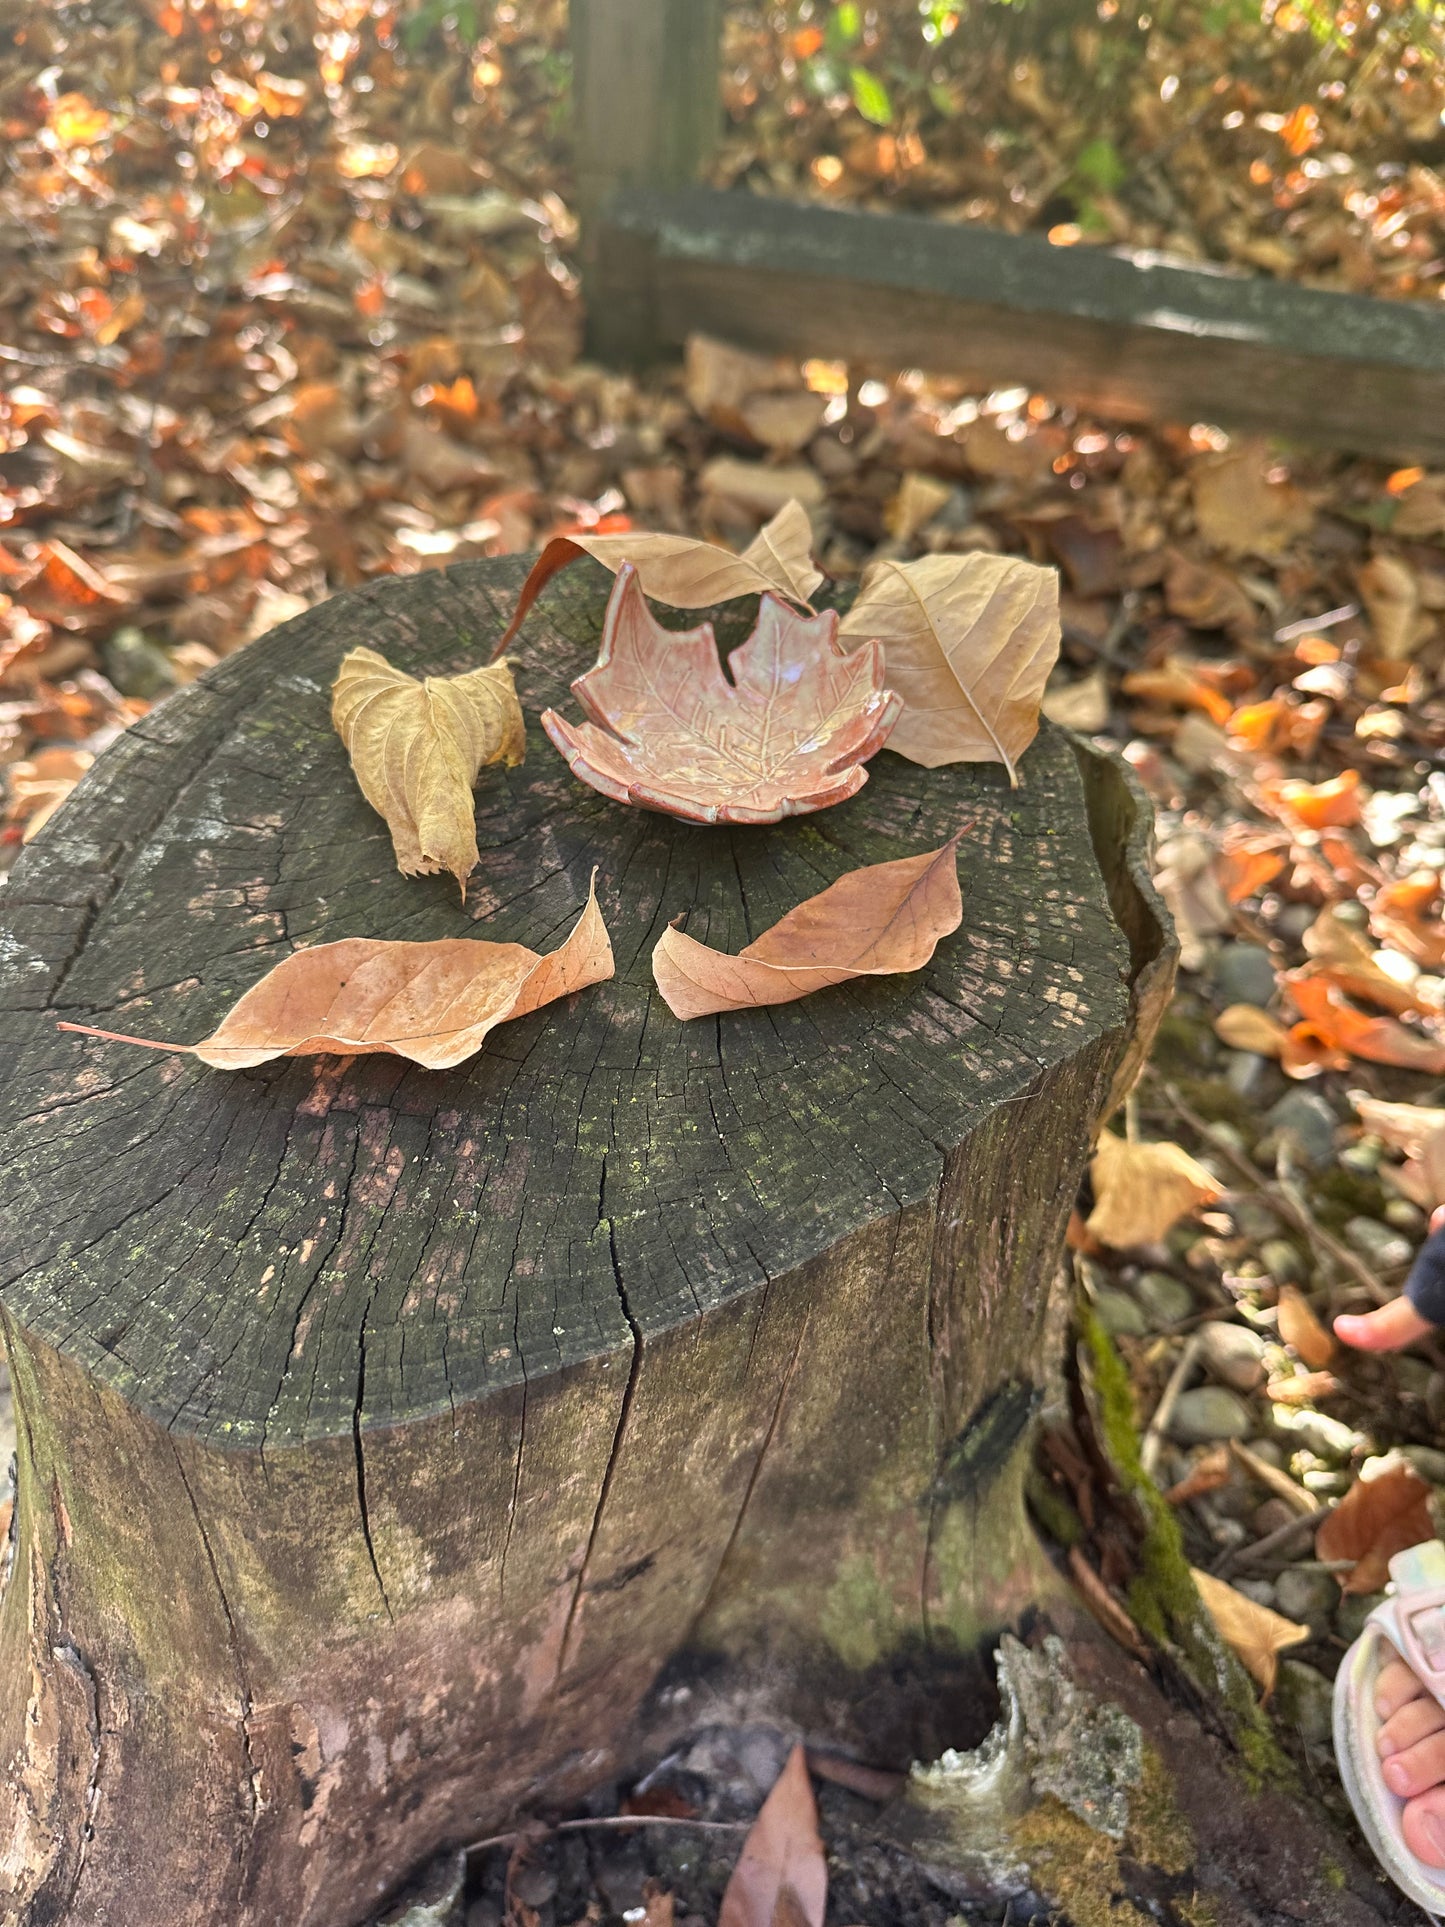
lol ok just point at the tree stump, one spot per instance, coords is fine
(386, 1434)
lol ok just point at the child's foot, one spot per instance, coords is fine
(1411, 1744)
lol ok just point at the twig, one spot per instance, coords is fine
(1280, 1540)
(1164, 1411)
(1277, 1482)
(612, 1820)
(1285, 1200)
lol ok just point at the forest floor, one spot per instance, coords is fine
(269, 334)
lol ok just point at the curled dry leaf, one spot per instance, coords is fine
(1346, 959)
(688, 573)
(431, 1002)
(416, 748)
(1376, 1519)
(1302, 1330)
(669, 732)
(1336, 1024)
(1404, 1127)
(970, 641)
(781, 1876)
(1140, 1190)
(878, 921)
(1256, 1635)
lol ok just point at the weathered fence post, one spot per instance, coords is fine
(645, 89)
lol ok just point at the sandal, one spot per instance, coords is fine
(1412, 1620)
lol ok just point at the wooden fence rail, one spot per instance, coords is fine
(1132, 335)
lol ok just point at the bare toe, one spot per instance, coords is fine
(1417, 1769)
(1416, 1720)
(1423, 1825)
(1395, 1686)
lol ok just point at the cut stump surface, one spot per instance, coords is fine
(384, 1432)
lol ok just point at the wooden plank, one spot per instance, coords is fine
(648, 114)
(1133, 335)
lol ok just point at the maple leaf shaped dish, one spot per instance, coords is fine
(789, 734)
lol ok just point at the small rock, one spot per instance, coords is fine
(137, 666)
(535, 1885)
(620, 1880)
(1249, 1075)
(1310, 1118)
(1271, 1451)
(1364, 1156)
(1164, 1299)
(1294, 919)
(1326, 1484)
(1273, 1516)
(1316, 1432)
(1284, 1262)
(1119, 1315)
(484, 1913)
(1254, 1218)
(1353, 1610)
(1424, 1459)
(1209, 1413)
(1259, 1590)
(1401, 1215)
(1304, 1699)
(1310, 1597)
(1244, 974)
(1234, 1354)
(1414, 1376)
(1381, 1247)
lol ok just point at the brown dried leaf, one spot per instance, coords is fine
(782, 1855)
(883, 919)
(668, 731)
(416, 748)
(688, 573)
(1390, 592)
(1255, 1634)
(1300, 1328)
(1240, 510)
(431, 1002)
(970, 641)
(1346, 959)
(1140, 1190)
(1376, 1519)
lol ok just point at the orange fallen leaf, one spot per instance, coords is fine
(1409, 896)
(1376, 1519)
(1141, 1190)
(882, 920)
(431, 1002)
(1246, 864)
(1304, 1052)
(1255, 1634)
(1338, 1025)
(1318, 805)
(1345, 958)
(1349, 868)
(781, 1876)
(1176, 684)
(668, 731)
(687, 573)
(1301, 1329)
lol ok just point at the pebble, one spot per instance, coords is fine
(1414, 1376)
(1248, 1074)
(1164, 1299)
(482, 1913)
(1316, 1432)
(1306, 1596)
(1424, 1459)
(535, 1885)
(1271, 1451)
(1326, 1484)
(1310, 1118)
(1284, 1262)
(1234, 1354)
(1353, 1610)
(1120, 1316)
(1294, 919)
(1244, 974)
(1304, 1699)
(1253, 1218)
(1363, 1157)
(137, 666)
(1401, 1215)
(1381, 1247)
(1210, 1413)
(1259, 1590)
(1273, 1516)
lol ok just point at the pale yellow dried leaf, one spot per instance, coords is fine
(416, 747)
(1082, 705)
(969, 641)
(1141, 1190)
(1256, 1635)
(1243, 1027)
(877, 921)
(1404, 1127)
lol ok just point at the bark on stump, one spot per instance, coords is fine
(385, 1434)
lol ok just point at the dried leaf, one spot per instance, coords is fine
(783, 1854)
(1082, 705)
(879, 921)
(1240, 510)
(416, 748)
(1404, 1127)
(1140, 1190)
(1212, 1470)
(970, 641)
(687, 573)
(1390, 592)
(1338, 1025)
(1243, 1027)
(1256, 1635)
(1301, 1329)
(1376, 1519)
(431, 1002)
(1317, 806)
(669, 732)
(1176, 685)
(1346, 959)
